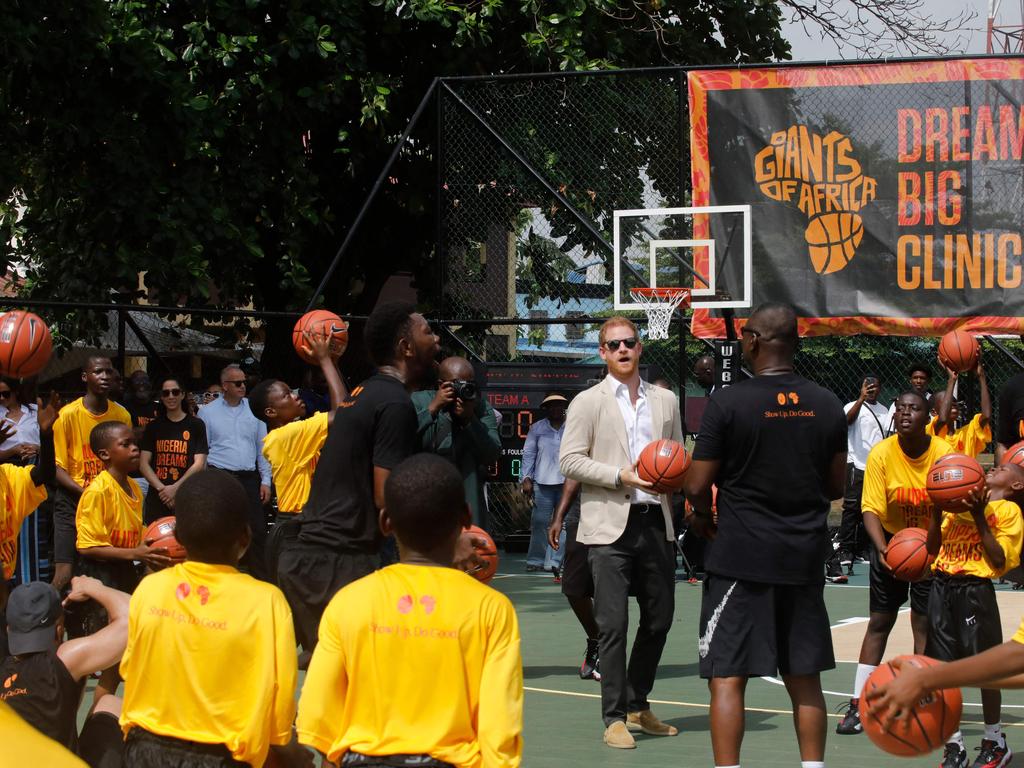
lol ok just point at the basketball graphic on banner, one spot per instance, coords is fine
(832, 240)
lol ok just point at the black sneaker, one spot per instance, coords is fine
(850, 724)
(834, 572)
(845, 558)
(954, 756)
(590, 668)
(992, 755)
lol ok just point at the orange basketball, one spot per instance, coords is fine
(25, 344)
(935, 718)
(664, 463)
(320, 321)
(951, 478)
(160, 533)
(1014, 454)
(958, 351)
(487, 553)
(908, 556)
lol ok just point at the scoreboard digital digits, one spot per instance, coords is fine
(516, 392)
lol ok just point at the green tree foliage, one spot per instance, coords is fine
(222, 147)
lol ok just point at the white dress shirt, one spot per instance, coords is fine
(639, 428)
(27, 427)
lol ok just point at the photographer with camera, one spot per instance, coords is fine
(456, 422)
(865, 427)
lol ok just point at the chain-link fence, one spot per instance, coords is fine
(529, 171)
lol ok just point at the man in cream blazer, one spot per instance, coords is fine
(627, 527)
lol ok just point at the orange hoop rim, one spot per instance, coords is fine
(661, 294)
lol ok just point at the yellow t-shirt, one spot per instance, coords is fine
(71, 439)
(894, 484)
(107, 516)
(293, 451)
(24, 745)
(19, 497)
(971, 439)
(442, 645)
(962, 553)
(210, 658)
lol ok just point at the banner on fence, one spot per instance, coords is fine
(886, 198)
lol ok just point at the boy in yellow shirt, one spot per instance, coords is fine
(971, 549)
(293, 442)
(109, 539)
(974, 436)
(895, 497)
(420, 616)
(210, 666)
(77, 463)
(22, 490)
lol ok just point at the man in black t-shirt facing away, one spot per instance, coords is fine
(373, 430)
(775, 447)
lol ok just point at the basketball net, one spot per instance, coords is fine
(660, 304)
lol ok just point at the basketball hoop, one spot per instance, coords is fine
(660, 304)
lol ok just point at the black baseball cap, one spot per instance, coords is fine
(32, 612)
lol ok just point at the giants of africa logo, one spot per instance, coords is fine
(827, 184)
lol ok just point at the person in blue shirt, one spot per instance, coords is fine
(235, 440)
(542, 481)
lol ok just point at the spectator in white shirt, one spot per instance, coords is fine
(18, 410)
(542, 481)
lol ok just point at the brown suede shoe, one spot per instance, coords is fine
(618, 736)
(647, 723)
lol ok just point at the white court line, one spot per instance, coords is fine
(697, 705)
(849, 695)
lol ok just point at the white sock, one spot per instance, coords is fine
(995, 733)
(863, 673)
(812, 764)
(957, 738)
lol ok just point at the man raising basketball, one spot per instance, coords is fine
(775, 446)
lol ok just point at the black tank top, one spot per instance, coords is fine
(39, 688)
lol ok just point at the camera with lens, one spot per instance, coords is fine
(464, 390)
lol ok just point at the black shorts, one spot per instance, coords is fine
(963, 617)
(576, 578)
(310, 576)
(101, 744)
(749, 629)
(89, 617)
(887, 594)
(148, 750)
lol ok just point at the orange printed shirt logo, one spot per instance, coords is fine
(406, 603)
(827, 183)
(351, 398)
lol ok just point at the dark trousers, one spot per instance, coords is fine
(640, 562)
(310, 576)
(852, 536)
(64, 532)
(255, 559)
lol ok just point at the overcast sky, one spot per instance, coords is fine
(810, 47)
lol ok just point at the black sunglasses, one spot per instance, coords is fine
(5, 394)
(170, 392)
(239, 383)
(613, 344)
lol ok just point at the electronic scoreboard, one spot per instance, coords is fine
(516, 391)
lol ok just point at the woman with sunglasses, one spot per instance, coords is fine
(19, 411)
(173, 447)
